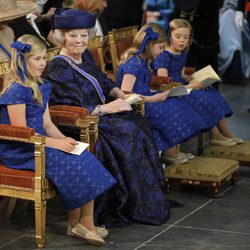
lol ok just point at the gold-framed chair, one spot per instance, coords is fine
(120, 40)
(33, 185)
(96, 48)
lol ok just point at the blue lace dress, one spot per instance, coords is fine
(125, 147)
(207, 102)
(78, 179)
(172, 120)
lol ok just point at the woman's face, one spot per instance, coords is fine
(157, 48)
(37, 63)
(76, 41)
(180, 39)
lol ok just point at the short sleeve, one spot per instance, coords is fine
(16, 94)
(161, 61)
(132, 66)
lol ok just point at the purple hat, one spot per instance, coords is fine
(72, 19)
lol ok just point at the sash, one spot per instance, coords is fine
(92, 79)
(5, 50)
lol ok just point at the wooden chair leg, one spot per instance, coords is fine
(11, 207)
(216, 190)
(40, 220)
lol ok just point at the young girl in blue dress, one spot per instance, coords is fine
(24, 102)
(169, 117)
(206, 101)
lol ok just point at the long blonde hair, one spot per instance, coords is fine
(37, 46)
(138, 41)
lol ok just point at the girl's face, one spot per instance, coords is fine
(180, 39)
(37, 63)
(76, 41)
(157, 48)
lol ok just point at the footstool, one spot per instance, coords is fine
(203, 171)
(239, 152)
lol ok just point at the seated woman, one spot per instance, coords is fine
(126, 146)
(173, 121)
(206, 101)
(24, 102)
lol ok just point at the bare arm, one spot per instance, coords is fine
(128, 82)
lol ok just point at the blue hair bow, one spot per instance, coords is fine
(150, 35)
(21, 49)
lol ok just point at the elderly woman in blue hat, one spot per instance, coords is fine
(125, 146)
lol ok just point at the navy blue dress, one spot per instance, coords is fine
(172, 120)
(78, 179)
(125, 147)
(207, 102)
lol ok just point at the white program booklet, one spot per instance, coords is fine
(206, 75)
(179, 91)
(134, 98)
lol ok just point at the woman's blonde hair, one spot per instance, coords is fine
(138, 39)
(37, 46)
(179, 23)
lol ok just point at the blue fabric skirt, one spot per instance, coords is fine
(127, 149)
(209, 104)
(173, 122)
(78, 179)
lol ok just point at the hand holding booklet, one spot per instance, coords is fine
(134, 98)
(79, 148)
(206, 76)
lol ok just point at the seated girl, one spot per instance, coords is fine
(206, 101)
(24, 102)
(173, 121)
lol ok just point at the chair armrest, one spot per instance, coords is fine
(82, 112)
(17, 133)
(189, 70)
(159, 82)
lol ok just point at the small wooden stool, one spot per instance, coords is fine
(239, 152)
(203, 171)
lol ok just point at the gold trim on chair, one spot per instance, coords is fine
(119, 36)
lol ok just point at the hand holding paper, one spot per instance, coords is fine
(134, 98)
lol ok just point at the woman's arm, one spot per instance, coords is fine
(17, 114)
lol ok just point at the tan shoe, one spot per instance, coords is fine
(227, 143)
(100, 231)
(174, 161)
(92, 238)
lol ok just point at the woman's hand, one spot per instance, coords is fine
(116, 106)
(66, 144)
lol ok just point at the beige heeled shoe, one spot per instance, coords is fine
(82, 232)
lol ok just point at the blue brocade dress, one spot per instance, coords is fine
(207, 102)
(125, 147)
(173, 121)
(78, 179)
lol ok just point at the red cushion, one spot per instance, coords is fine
(17, 178)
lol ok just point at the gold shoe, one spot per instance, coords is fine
(92, 238)
(100, 231)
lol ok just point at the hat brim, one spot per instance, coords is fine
(22, 9)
